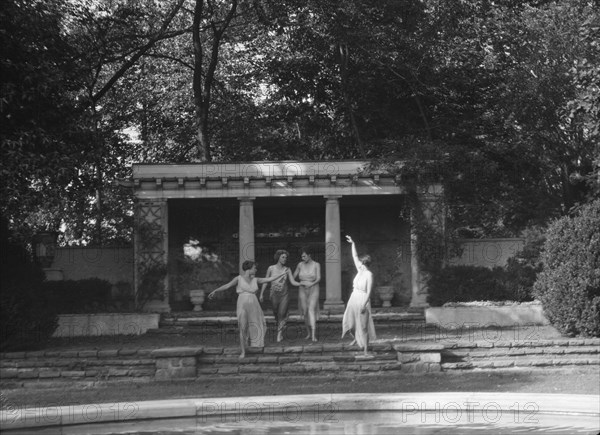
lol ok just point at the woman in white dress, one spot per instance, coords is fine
(357, 316)
(251, 319)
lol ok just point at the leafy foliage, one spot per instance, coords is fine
(569, 284)
(27, 319)
(473, 283)
(502, 95)
(92, 295)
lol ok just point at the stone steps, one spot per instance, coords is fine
(328, 325)
(191, 320)
(85, 365)
(543, 353)
(23, 369)
(301, 359)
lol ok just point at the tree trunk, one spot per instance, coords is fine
(203, 80)
(344, 58)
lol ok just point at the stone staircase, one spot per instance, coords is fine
(89, 367)
(293, 360)
(405, 344)
(542, 353)
(224, 324)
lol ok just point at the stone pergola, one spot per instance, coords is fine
(156, 184)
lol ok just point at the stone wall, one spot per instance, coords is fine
(114, 265)
(487, 252)
(383, 236)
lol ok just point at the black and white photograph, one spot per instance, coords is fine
(299, 217)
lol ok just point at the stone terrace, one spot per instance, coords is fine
(131, 363)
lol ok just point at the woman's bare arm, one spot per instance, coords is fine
(354, 253)
(269, 279)
(291, 278)
(224, 287)
(264, 286)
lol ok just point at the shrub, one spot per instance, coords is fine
(90, 295)
(523, 268)
(471, 283)
(27, 319)
(569, 284)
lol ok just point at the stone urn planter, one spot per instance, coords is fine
(197, 299)
(386, 294)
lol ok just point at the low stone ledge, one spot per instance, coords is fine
(434, 347)
(101, 324)
(485, 316)
(175, 373)
(169, 352)
(9, 373)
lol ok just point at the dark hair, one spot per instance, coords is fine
(365, 259)
(307, 250)
(247, 265)
(279, 253)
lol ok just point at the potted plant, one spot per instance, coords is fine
(199, 270)
(385, 284)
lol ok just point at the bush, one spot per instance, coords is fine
(27, 318)
(472, 283)
(91, 295)
(523, 268)
(466, 284)
(569, 284)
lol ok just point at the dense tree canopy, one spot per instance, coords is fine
(501, 95)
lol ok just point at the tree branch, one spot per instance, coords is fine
(139, 54)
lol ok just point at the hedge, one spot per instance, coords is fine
(27, 318)
(569, 284)
(90, 295)
(475, 283)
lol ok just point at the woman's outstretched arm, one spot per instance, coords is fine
(224, 287)
(270, 279)
(354, 253)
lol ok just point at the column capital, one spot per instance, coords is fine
(332, 197)
(246, 198)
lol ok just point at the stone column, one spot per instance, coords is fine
(246, 230)
(151, 247)
(333, 264)
(417, 279)
(431, 211)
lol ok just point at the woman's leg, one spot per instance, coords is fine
(282, 315)
(243, 340)
(242, 317)
(304, 308)
(364, 328)
(276, 302)
(313, 303)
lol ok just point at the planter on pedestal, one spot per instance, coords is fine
(44, 245)
(197, 299)
(386, 294)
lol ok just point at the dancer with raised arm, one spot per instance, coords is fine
(251, 319)
(357, 316)
(279, 290)
(308, 272)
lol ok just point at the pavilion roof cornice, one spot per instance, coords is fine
(262, 179)
(251, 169)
